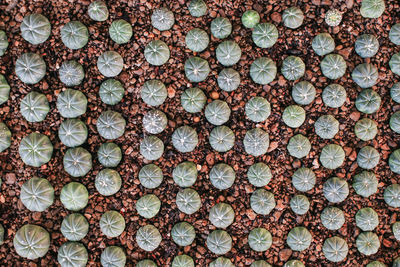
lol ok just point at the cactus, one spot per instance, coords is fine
(156, 52)
(113, 256)
(188, 201)
(299, 239)
(260, 239)
(30, 68)
(110, 63)
(303, 179)
(37, 194)
(219, 242)
(148, 206)
(259, 174)
(217, 112)
(323, 44)
(368, 157)
(333, 66)
(332, 218)
(72, 132)
(299, 146)
(150, 176)
(221, 262)
(294, 263)
(376, 264)
(333, 17)
(335, 249)
(162, 19)
(336, 190)
(228, 79)
(365, 75)
(109, 155)
(4, 89)
(74, 227)
(396, 262)
(71, 73)
(396, 230)
(262, 202)
(111, 91)
(367, 219)
(265, 35)
(31, 241)
(228, 53)
(299, 204)
(326, 127)
(365, 183)
(294, 116)
(334, 95)
(222, 138)
(260, 263)
(193, 100)
(395, 122)
(368, 101)
(222, 176)
(3, 43)
(256, 142)
(367, 243)
(293, 68)
(155, 121)
(394, 34)
(258, 109)
(98, 11)
(148, 237)
(366, 45)
(292, 17)
(263, 70)
(110, 124)
(197, 40)
(112, 223)
(154, 92)
(74, 196)
(72, 254)
(332, 156)
(5, 138)
(372, 8)
(391, 195)
(394, 63)
(250, 19)
(366, 129)
(77, 161)
(108, 182)
(221, 27)
(1, 234)
(221, 215)
(74, 35)
(182, 261)
(35, 149)
(197, 8)
(303, 93)
(146, 263)
(183, 234)
(71, 103)
(35, 28)
(34, 107)
(394, 161)
(120, 31)
(151, 148)
(185, 139)
(185, 174)
(196, 69)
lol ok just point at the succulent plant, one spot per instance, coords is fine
(256, 142)
(396, 230)
(111, 91)
(334, 95)
(112, 223)
(154, 92)
(148, 206)
(146, 263)
(35, 28)
(110, 63)
(74, 227)
(391, 195)
(299, 238)
(260, 239)
(72, 132)
(250, 18)
(333, 17)
(109, 155)
(367, 219)
(110, 124)
(365, 183)
(221, 262)
(260, 263)
(3, 43)
(326, 127)
(372, 8)
(71, 103)
(293, 68)
(394, 63)
(217, 112)
(332, 218)
(31, 241)
(367, 243)
(5, 137)
(77, 161)
(368, 157)
(221, 27)
(34, 107)
(299, 204)
(303, 179)
(303, 93)
(185, 174)
(219, 242)
(222, 138)
(323, 44)
(196, 69)
(365, 75)
(197, 8)
(396, 262)
(262, 202)
(113, 256)
(120, 31)
(366, 129)
(37, 194)
(72, 254)
(228, 79)
(332, 156)
(1, 234)
(333, 66)
(263, 70)
(30, 68)
(151, 147)
(294, 263)
(259, 174)
(74, 196)
(299, 146)
(394, 34)
(4, 89)
(335, 249)
(376, 264)
(150, 176)
(71, 73)
(155, 121)
(185, 139)
(98, 11)
(336, 190)
(188, 201)
(197, 40)
(294, 116)
(222, 176)
(183, 234)
(148, 237)
(156, 52)
(394, 161)
(258, 109)
(366, 45)
(228, 53)
(182, 261)
(292, 17)
(265, 35)
(108, 182)
(35, 149)
(395, 122)
(162, 19)
(222, 215)
(368, 101)
(74, 35)
(193, 100)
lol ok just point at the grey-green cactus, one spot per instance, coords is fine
(376, 264)
(367, 219)
(335, 249)
(396, 262)
(185, 174)
(332, 156)
(183, 234)
(196, 69)
(146, 263)
(299, 146)
(182, 261)
(365, 75)
(258, 109)
(108, 182)
(148, 206)
(35, 149)
(228, 53)
(323, 44)
(222, 138)
(256, 142)
(221, 262)
(37, 194)
(77, 161)
(294, 263)
(396, 230)
(366, 129)
(219, 242)
(366, 45)
(74, 227)
(35, 28)
(71, 103)
(372, 8)
(333, 66)
(110, 63)
(197, 8)
(109, 155)
(185, 139)
(4, 89)
(151, 147)
(74, 196)
(365, 183)
(31, 241)
(394, 161)
(221, 27)
(334, 95)
(260, 239)
(299, 238)
(332, 218)
(148, 237)
(120, 31)
(326, 127)
(222, 176)
(259, 174)
(98, 11)
(71, 73)
(368, 101)
(162, 19)
(250, 18)
(395, 122)
(294, 116)
(72, 254)
(368, 157)
(72, 132)
(111, 91)
(30, 68)
(113, 256)
(260, 263)
(394, 63)
(265, 35)
(193, 100)
(150, 176)
(303, 179)
(5, 137)
(197, 40)
(262, 202)
(263, 70)
(112, 223)
(368, 243)
(303, 93)
(394, 34)
(74, 35)
(34, 107)
(153, 92)
(217, 112)
(228, 79)
(335, 190)
(155, 121)
(3, 43)
(391, 195)
(156, 52)
(188, 201)
(333, 17)
(222, 215)
(110, 124)
(299, 204)
(292, 17)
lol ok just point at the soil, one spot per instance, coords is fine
(136, 71)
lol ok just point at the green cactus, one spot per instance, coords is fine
(193, 100)
(148, 206)
(35, 28)
(332, 156)
(250, 18)
(71, 103)
(183, 234)
(31, 241)
(299, 146)
(262, 202)
(372, 8)
(150, 176)
(197, 40)
(365, 183)
(110, 63)
(228, 79)
(197, 8)
(217, 112)
(35, 149)
(222, 215)
(335, 190)
(334, 95)
(303, 93)
(221, 27)
(366, 129)
(396, 230)
(3, 43)
(110, 124)
(333, 66)
(335, 249)
(260, 263)
(72, 132)
(74, 227)
(155, 121)
(72, 254)
(294, 116)
(108, 182)
(258, 109)
(333, 17)
(292, 17)
(332, 218)
(4, 89)
(74, 35)
(98, 11)
(263, 70)
(256, 142)
(162, 19)
(5, 137)
(293, 68)
(151, 147)
(74, 196)
(148, 237)
(228, 53)
(365, 75)
(394, 34)
(71, 73)
(391, 195)
(109, 155)
(299, 238)
(367, 219)
(113, 256)
(368, 243)
(299, 204)
(265, 35)
(156, 53)
(37, 194)
(396, 262)
(394, 63)
(185, 174)
(112, 223)
(185, 139)
(1, 234)
(303, 179)
(30, 68)
(376, 264)
(153, 92)
(294, 263)
(111, 91)
(326, 127)
(260, 239)
(368, 101)
(34, 107)
(182, 261)
(219, 242)
(259, 174)
(196, 69)
(394, 161)
(367, 45)
(221, 262)
(368, 157)
(222, 138)
(222, 176)
(120, 31)
(77, 161)
(323, 44)
(146, 263)
(188, 201)
(395, 122)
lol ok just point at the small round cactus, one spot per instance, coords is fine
(113, 256)
(368, 101)
(256, 142)
(37, 194)
(228, 79)
(112, 223)
(5, 137)
(120, 31)
(110, 124)
(368, 243)
(219, 242)
(332, 156)
(154, 92)
(185, 139)
(332, 218)
(193, 100)
(74, 196)
(217, 112)
(395, 122)
(150, 176)
(110, 63)
(396, 230)
(74, 227)
(391, 195)
(74, 35)
(299, 204)
(263, 70)
(228, 53)
(303, 93)
(294, 116)
(366, 45)
(221, 262)
(34, 107)
(108, 182)
(35, 149)
(294, 263)
(265, 35)
(109, 155)
(71, 73)
(221, 27)
(30, 68)
(259, 174)
(367, 219)
(151, 147)
(162, 19)
(148, 206)
(222, 215)
(394, 161)
(336, 190)
(333, 66)
(394, 63)
(146, 263)
(250, 18)
(77, 161)
(365, 75)
(196, 69)
(5, 89)
(155, 121)
(188, 201)
(299, 146)
(197, 40)
(377, 264)
(260, 239)
(335, 249)
(333, 17)
(394, 34)
(72, 132)
(111, 91)
(197, 8)
(31, 241)
(334, 95)
(303, 179)
(260, 263)
(366, 129)
(292, 17)
(258, 109)
(299, 239)
(3, 43)
(222, 138)
(148, 237)
(71, 103)
(323, 44)
(262, 202)
(365, 183)
(368, 157)
(222, 176)
(183, 234)
(98, 11)
(182, 261)
(326, 127)
(72, 254)
(35, 28)
(156, 52)
(372, 8)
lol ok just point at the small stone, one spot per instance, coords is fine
(10, 178)
(214, 95)
(285, 254)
